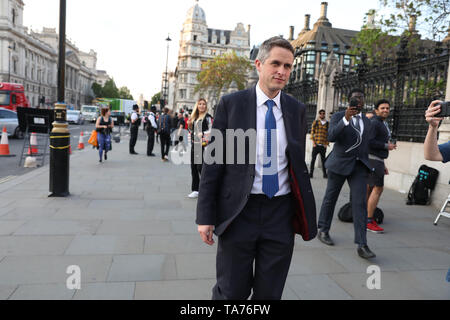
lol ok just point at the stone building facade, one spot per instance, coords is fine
(31, 58)
(198, 43)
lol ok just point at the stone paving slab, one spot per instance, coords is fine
(58, 227)
(6, 291)
(52, 269)
(102, 245)
(34, 245)
(136, 228)
(316, 287)
(21, 213)
(175, 290)
(106, 291)
(8, 227)
(42, 292)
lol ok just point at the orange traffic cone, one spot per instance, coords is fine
(4, 145)
(33, 149)
(80, 142)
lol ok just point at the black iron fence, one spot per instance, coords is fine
(410, 83)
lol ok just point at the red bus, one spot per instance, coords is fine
(12, 95)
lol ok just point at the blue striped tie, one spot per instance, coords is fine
(270, 167)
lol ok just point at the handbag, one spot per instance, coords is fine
(93, 139)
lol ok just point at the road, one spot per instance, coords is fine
(9, 167)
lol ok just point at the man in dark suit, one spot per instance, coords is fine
(350, 131)
(255, 208)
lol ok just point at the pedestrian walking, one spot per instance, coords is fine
(134, 128)
(150, 127)
(200, 124)
(319, 137)
(379, 147)
(164, 128)
(104, 126)
(350, 131)
(256, 209)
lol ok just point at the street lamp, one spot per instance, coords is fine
(165, 85)
(9, 62)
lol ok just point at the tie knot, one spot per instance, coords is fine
(270, 103)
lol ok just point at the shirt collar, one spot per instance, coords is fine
(261, 98)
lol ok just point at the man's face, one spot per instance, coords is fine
(360, 97)
(275, 71)
(321, 115)
(383, 110)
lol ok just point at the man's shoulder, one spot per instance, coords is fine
(238, 95)
(290, 100)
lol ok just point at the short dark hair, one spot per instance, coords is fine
(269, 44)
(135, 107)
(380, 102)
(354, 90)
(321, 110)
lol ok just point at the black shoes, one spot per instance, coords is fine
(106, 157)
(365, 253)
(151, 155)
(134, 152)
(325, 238)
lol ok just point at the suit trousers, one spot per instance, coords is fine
(318, 150)
(255, 251)
(150, 141)
(357, 181)
(196, 170)
(165, 144)
(133, 137)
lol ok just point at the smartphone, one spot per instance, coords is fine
(445, 110)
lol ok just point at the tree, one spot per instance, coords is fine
(124, 93)
(97, 89)
(110, 89)
(156, 99)
(433, 16)
(221, 72)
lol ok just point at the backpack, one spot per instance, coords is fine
(423, 184)
(163, 125)
(345, 214)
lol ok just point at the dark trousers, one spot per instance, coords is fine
(165, 144)
(255, 251)
(150, 141)
(133, 137)
(357, 181)
(318, 150)
(196, 171)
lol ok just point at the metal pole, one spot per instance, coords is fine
(60, 135)
(165, 75)
(9, 64)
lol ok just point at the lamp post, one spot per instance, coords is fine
(60, 135)
(165, 85)
(9, 62)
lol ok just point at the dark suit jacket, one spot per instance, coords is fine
(225, 188)
(348, 146)
(379, 138)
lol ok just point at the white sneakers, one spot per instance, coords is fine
(193, 195)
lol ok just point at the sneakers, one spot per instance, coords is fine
(193, 195)
(374, 227)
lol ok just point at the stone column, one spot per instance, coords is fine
(444, 129)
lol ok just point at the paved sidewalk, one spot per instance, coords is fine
(130, 227)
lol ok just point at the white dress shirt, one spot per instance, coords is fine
(283, 172)
(361, 122)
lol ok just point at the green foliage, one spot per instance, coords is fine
(110, 89)
(155, 99)
(124, 93)
(97, 89)
(220, 72)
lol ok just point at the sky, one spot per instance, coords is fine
(129, 36)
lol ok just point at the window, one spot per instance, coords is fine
(182, 93)
(14, 17)
(195, 38)
(323, 57)
(4, 98)
(311, 56)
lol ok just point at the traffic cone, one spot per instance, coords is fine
(4, 145)
(80, 142)
(33, 149)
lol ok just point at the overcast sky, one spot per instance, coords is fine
(129, 36)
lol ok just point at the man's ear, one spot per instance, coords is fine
(258, 64)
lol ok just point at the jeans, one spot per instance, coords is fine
(104, 143)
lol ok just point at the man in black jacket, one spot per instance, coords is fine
(379, 147)
(134, 128)
(348, 161)
(256, 208)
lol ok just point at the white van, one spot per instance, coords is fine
(90, 113)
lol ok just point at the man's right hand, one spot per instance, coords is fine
(392, 146)
(350, 112)
(206, 233)
(433, 110)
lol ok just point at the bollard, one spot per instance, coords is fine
(59, 154)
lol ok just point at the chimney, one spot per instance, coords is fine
(323, 9)
(371, 19)
(291, 33)
(412, 24)
(307, 21)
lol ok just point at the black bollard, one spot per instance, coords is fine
(59, 154)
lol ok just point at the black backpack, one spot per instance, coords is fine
(424, 183)
(345, 214)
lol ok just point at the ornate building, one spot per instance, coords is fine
(198, 43)
(31, 58)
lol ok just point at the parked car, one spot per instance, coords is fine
(75, 116)
(9, 119)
